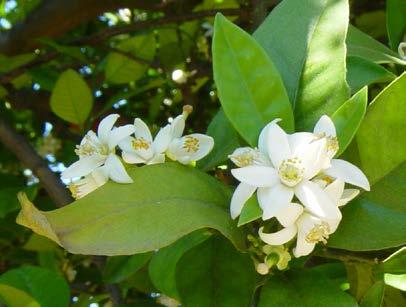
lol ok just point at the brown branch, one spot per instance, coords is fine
(18, 145)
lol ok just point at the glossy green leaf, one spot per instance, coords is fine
(397, 281)
(71, 98)
(121, 68)
(305, 289)
(374, 295)
(13, 297)
(396, 21)
(395, 263)
(116, 218)
(250, 89)
(377, 219)
(215, 274)
(250, 212)
(162, 268)
(362, 45)
(362, 72)
(305, 40)
(348, 118)
(225, 141)
(46, 287)
(119, 268)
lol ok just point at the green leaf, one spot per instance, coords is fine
(362, 45)
(38, 243)
(225, 141)
(215, 274)
(119, 268)
(45, 286)
(121, 68)
(306, 41)
(13, 297)
(395, 263)
(116, 218)
(71, 98)
(10, 63)
(374, 295)
(362, 72)
(250, 212)
(348, 118)
(396, 21)
(250, 89)
(162, 268)
(377, 219)
(305, 289)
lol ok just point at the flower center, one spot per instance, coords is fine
(191, 144)
(90, 147)
(140, 143)
(291, 171)
(319, 233)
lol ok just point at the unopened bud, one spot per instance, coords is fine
(262, 269)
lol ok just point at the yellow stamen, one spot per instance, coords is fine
(191, 144)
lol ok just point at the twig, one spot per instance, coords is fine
(345, 256)
(18, 145)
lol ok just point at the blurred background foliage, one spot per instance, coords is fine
(66, 64)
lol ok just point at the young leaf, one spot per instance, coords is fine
(48, 288)
(215, 274)
(306, 41)
(116, 218)
(348, 118)
(162, 268)
(249, 86)
(396, 21)
(71, 98)
(250, 212)
(225, 141)
(395, 263)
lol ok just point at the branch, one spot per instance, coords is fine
(345, 256)
(18, 145)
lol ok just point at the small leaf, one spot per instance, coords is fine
(71, 98)
(348, 118)
(250, 212)
(250, 89)
(14, 297)
(119, 268)
(162, 268)
(116, 218)
(395, 263)
(396, 21)
(215, 274)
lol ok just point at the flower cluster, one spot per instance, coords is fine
(98, 161)
(298, 182)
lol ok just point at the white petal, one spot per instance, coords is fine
(303, 248)
(313, 156)
(116, 170)
(105, 126)
(257, 176)
(299, 139)
(119, 134)
(263, 136)
(100, 175)
(162, 139)
(142, 130)
(335, 190)
(156, 159)
(241, 194)
(348, 173)
(126, 144)
(347, 196)
(132, 158)
(273, 200)
(280, 237)
(277, 144)
(325, 126)
(316, 200)
(288, 215)
(177, 126)
(205, 144)
(83, 166)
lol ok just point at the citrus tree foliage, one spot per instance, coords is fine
(200, 153)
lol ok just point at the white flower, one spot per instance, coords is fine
(189, 148)
(245, 156)
(141, 148)
(312, 227)
(325, 128)
(98, 150)
(295, 159)
(89, 183)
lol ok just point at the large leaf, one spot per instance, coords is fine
(396, 21)
(395, 263)
(304, 289)
(362, 72)
(225, 141)
(124, 219)
(71, 98)
(46, 287)
(14, 297)
(362, 45)
(306, 41)
(123, 68)
(249, 86)
(215, 274)
(377, 219)
(162, 268)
